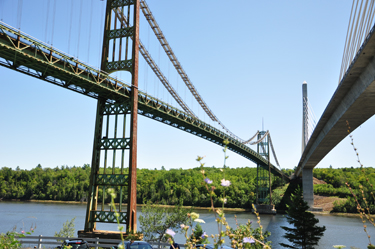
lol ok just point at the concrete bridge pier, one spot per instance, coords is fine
(308, 186)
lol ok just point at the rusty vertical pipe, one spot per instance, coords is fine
(132, 206)
(107, 26)
(93, 191)
(92, 202)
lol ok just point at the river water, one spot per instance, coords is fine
(49, 218)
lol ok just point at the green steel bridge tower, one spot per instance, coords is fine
(263, 173)
(115, 138)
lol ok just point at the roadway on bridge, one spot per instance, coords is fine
(353, 101)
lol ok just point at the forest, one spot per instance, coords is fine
(170, 187)
(354, 184)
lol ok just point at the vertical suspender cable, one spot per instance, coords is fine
(169, 80)
(2, 7)
(19, 14)
(154, 67)
(177, 83)
(79, 27)
(160, 67)
(148, 48)
(146, 67)
(47, 21)
(90, 28)
(145, 74)
(53, 21)
(101, 30)
(70, 25)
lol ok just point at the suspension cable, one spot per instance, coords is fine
(260, 139)
(273, 151)
(168, 50)
(120, 16)
(249, 140)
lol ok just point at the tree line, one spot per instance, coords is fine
(63, 184)
(168, 187)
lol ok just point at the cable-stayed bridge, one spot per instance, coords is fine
(119, 103)
(352, 103)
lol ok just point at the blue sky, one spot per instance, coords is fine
(247, 59)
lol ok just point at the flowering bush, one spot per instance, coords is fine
(9, 240)
(364, 200)
(243, 236)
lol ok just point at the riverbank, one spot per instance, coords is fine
(138, 205)
(324, 202)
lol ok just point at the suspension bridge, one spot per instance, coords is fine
(119, 104)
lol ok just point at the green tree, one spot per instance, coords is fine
(67, 230)
(247, 230)
(305, 233)
(198, 236)
(10, 239)
(155, 220)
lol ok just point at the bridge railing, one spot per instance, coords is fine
(52, 242)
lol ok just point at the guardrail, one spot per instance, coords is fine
(41, 242)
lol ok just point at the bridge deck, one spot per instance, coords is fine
(353, 101)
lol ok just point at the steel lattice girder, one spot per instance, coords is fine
(23, 54)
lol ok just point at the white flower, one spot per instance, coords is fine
(194, 215)
(248, 240)
(170, 232)
(225, 183)
(199, 221)
(224, 200)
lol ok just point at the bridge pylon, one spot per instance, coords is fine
(263, 173)
(114, 158)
